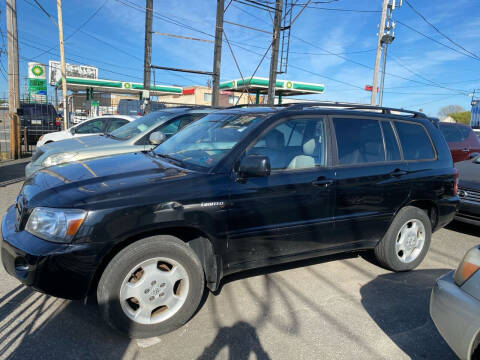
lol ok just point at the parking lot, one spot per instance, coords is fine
(336, 307)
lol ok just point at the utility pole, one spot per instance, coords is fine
(147, 61)
(62, 64)
(13, 78)
(381, 31)
(217, 54)
(272, 79)
(387, 39)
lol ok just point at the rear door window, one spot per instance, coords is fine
(465, 131)
(358, 141)
(91, 127)
(451, 133)
(416, 143)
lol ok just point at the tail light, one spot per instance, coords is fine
(469, 266)
(455, 179)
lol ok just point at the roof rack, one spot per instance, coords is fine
(353, 106)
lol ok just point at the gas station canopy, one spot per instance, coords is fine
(123, 87)
(257, 85)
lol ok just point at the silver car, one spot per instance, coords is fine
(455, 306)
(139, 135)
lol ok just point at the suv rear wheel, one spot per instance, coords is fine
(407, 240)
(151, 287)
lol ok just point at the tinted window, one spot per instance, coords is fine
(359, 141)
(451, 133)
(416, 144)
(294, 144)
(115, 124)
(465, 131)
(91, 127)
(391, 145)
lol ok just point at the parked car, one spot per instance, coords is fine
(138, 135)
(238, 189)
(455, 306)
(38, 119)
(462, 141)
(469, 191)
(134, 107)
(477, 132)
(96, 125)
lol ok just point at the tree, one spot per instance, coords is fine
(449, 109)
(462, 117)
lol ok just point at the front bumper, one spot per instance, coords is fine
(456, 315)
(62, 270)
(468, 212)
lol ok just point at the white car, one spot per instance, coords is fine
(96, 125)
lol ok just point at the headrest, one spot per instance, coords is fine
(309, 147)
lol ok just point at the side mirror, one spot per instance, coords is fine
(254, 166)
(156, 138)
(72, 130)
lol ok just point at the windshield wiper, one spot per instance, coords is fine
(165, 156)
(111, 136)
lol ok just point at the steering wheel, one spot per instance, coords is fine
(96, 129)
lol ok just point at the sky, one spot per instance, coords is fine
(331, 47)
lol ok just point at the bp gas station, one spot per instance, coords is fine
(87, 90)
(259, 86)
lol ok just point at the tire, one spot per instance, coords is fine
(143, 268)
(391, 252)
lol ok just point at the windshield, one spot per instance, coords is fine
(142, 125)
(207, 141)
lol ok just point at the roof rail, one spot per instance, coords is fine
(256, 105)
(353, 106)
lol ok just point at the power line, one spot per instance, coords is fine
(439, 31)
(78, 28)
(435, 41)
(341, 10)
(52, 19)
(95, 37)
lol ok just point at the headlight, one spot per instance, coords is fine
(58, 159)
(469, 266)
(58, 225)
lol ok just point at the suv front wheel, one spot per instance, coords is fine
(407, 240)
(151, 287)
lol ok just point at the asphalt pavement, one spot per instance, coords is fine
(336, 307)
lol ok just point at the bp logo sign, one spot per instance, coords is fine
(37, 70)
(289, 84)
(127, 85)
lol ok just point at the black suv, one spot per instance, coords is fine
(240, 188)
(38, 119)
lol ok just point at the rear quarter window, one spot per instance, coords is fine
(416, 143)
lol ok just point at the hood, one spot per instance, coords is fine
(469, 174)
(79, 143)
(102, 182)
